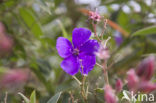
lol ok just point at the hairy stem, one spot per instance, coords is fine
(83, 93)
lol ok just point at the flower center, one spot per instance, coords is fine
(76, 52)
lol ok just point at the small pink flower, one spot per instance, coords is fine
(146, 68)
(94, 16)
(118, 85)
(109, 95)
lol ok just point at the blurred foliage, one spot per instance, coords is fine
(34, 26)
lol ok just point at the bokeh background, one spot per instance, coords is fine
(29, 30)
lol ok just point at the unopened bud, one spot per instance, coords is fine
(6, 45)
(132, 79)
(146, 68)
(109, 95)
(14, 78)
(146, 87)
(118, 85)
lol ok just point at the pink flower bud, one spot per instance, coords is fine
(132, 79)
(118, 85)
(146, 68)
(146, 87)
(14, 77)
(109, 95)
(6, 45)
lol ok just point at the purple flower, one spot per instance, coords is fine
(80, 54)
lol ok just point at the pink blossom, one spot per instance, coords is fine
(94, 16)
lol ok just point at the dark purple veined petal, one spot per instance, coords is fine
(90, 47)
(70, 65)
(80, 36)
(88, 62)
(64, 47)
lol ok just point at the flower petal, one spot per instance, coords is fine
(64, 47)
(88, 62)
(90, 47)
(70, 65)
(80, 36)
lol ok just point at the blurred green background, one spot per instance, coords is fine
(33, 26)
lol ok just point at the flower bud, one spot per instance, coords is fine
(146, 68)
(6, 45)
(132, 79)
(109, 95)
(118, 85)
(146, 87)
(14, 78)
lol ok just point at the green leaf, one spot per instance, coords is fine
(145, 31)
(24, 97)
(33, 97)
(31, 22)
(55, 98)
